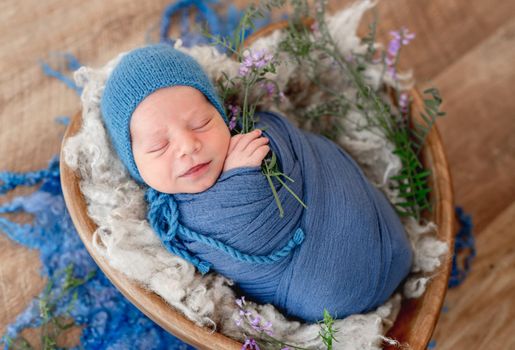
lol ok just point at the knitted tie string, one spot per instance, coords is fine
(163, 216)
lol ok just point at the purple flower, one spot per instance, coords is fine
(232, 123)
(267, 328)
(399, 38)
(234, 112)
(255, 323)
(394, 47)
(250, 344)
(403, 102)
(269, 87)
(403, 35)
(254, 60)
(244, 312)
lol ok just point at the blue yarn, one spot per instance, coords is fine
(64, 120)
(11, 180)
(208, 14)
(217, 26)
(354, 250)
(108, 319)
(73, 64)
(464, 244)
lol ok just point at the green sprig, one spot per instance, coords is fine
(301, 45)
(53, 325)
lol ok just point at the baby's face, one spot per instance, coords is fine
(179, 140)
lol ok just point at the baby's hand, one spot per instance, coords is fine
(246, 150)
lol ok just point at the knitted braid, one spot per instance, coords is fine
(163, 215)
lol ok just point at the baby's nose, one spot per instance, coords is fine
(187, 144)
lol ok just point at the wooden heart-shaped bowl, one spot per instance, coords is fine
(417, 318)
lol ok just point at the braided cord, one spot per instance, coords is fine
(297, 239)
(163, 216)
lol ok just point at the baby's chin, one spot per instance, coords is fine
(185, 186)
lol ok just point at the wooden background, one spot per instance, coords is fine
(466, 48)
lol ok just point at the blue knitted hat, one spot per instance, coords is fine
(138, 74)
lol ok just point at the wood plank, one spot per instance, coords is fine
(479, 130)
(481, 311)
(445, 29)
(18, 285)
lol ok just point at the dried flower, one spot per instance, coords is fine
(250, 344)
(403, 35)
(234, 112)
(254, 60)
(399, 38)
(403, 102)
(255, 322)
(270, 88)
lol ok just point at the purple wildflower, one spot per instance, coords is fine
(234, 112)
(255, 60)
(250, 344)
(403, 35)
(269, 87)
(241, 301)
(403, 102)
(244, 312)
(267, 328)
(399, 38)
(232, 123)
(255, 323)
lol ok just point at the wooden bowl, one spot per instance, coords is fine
(417, 318)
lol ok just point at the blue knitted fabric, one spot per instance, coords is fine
(138, 74)
(354, 251)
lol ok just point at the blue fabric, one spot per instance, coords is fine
(138, 74)
(355, 251)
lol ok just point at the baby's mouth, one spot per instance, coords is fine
(195, 169)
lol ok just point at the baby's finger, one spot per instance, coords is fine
(259, 154)
(255, 144)
(234, 141)
(247, 139)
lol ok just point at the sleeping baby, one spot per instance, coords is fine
(210, 203)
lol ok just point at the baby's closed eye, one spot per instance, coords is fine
(159, 147)
(203, 124)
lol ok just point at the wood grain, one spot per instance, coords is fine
(463, 47)
(481, 310)
(479, 133)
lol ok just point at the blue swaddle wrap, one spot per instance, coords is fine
(347, 252)
(354, 251)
